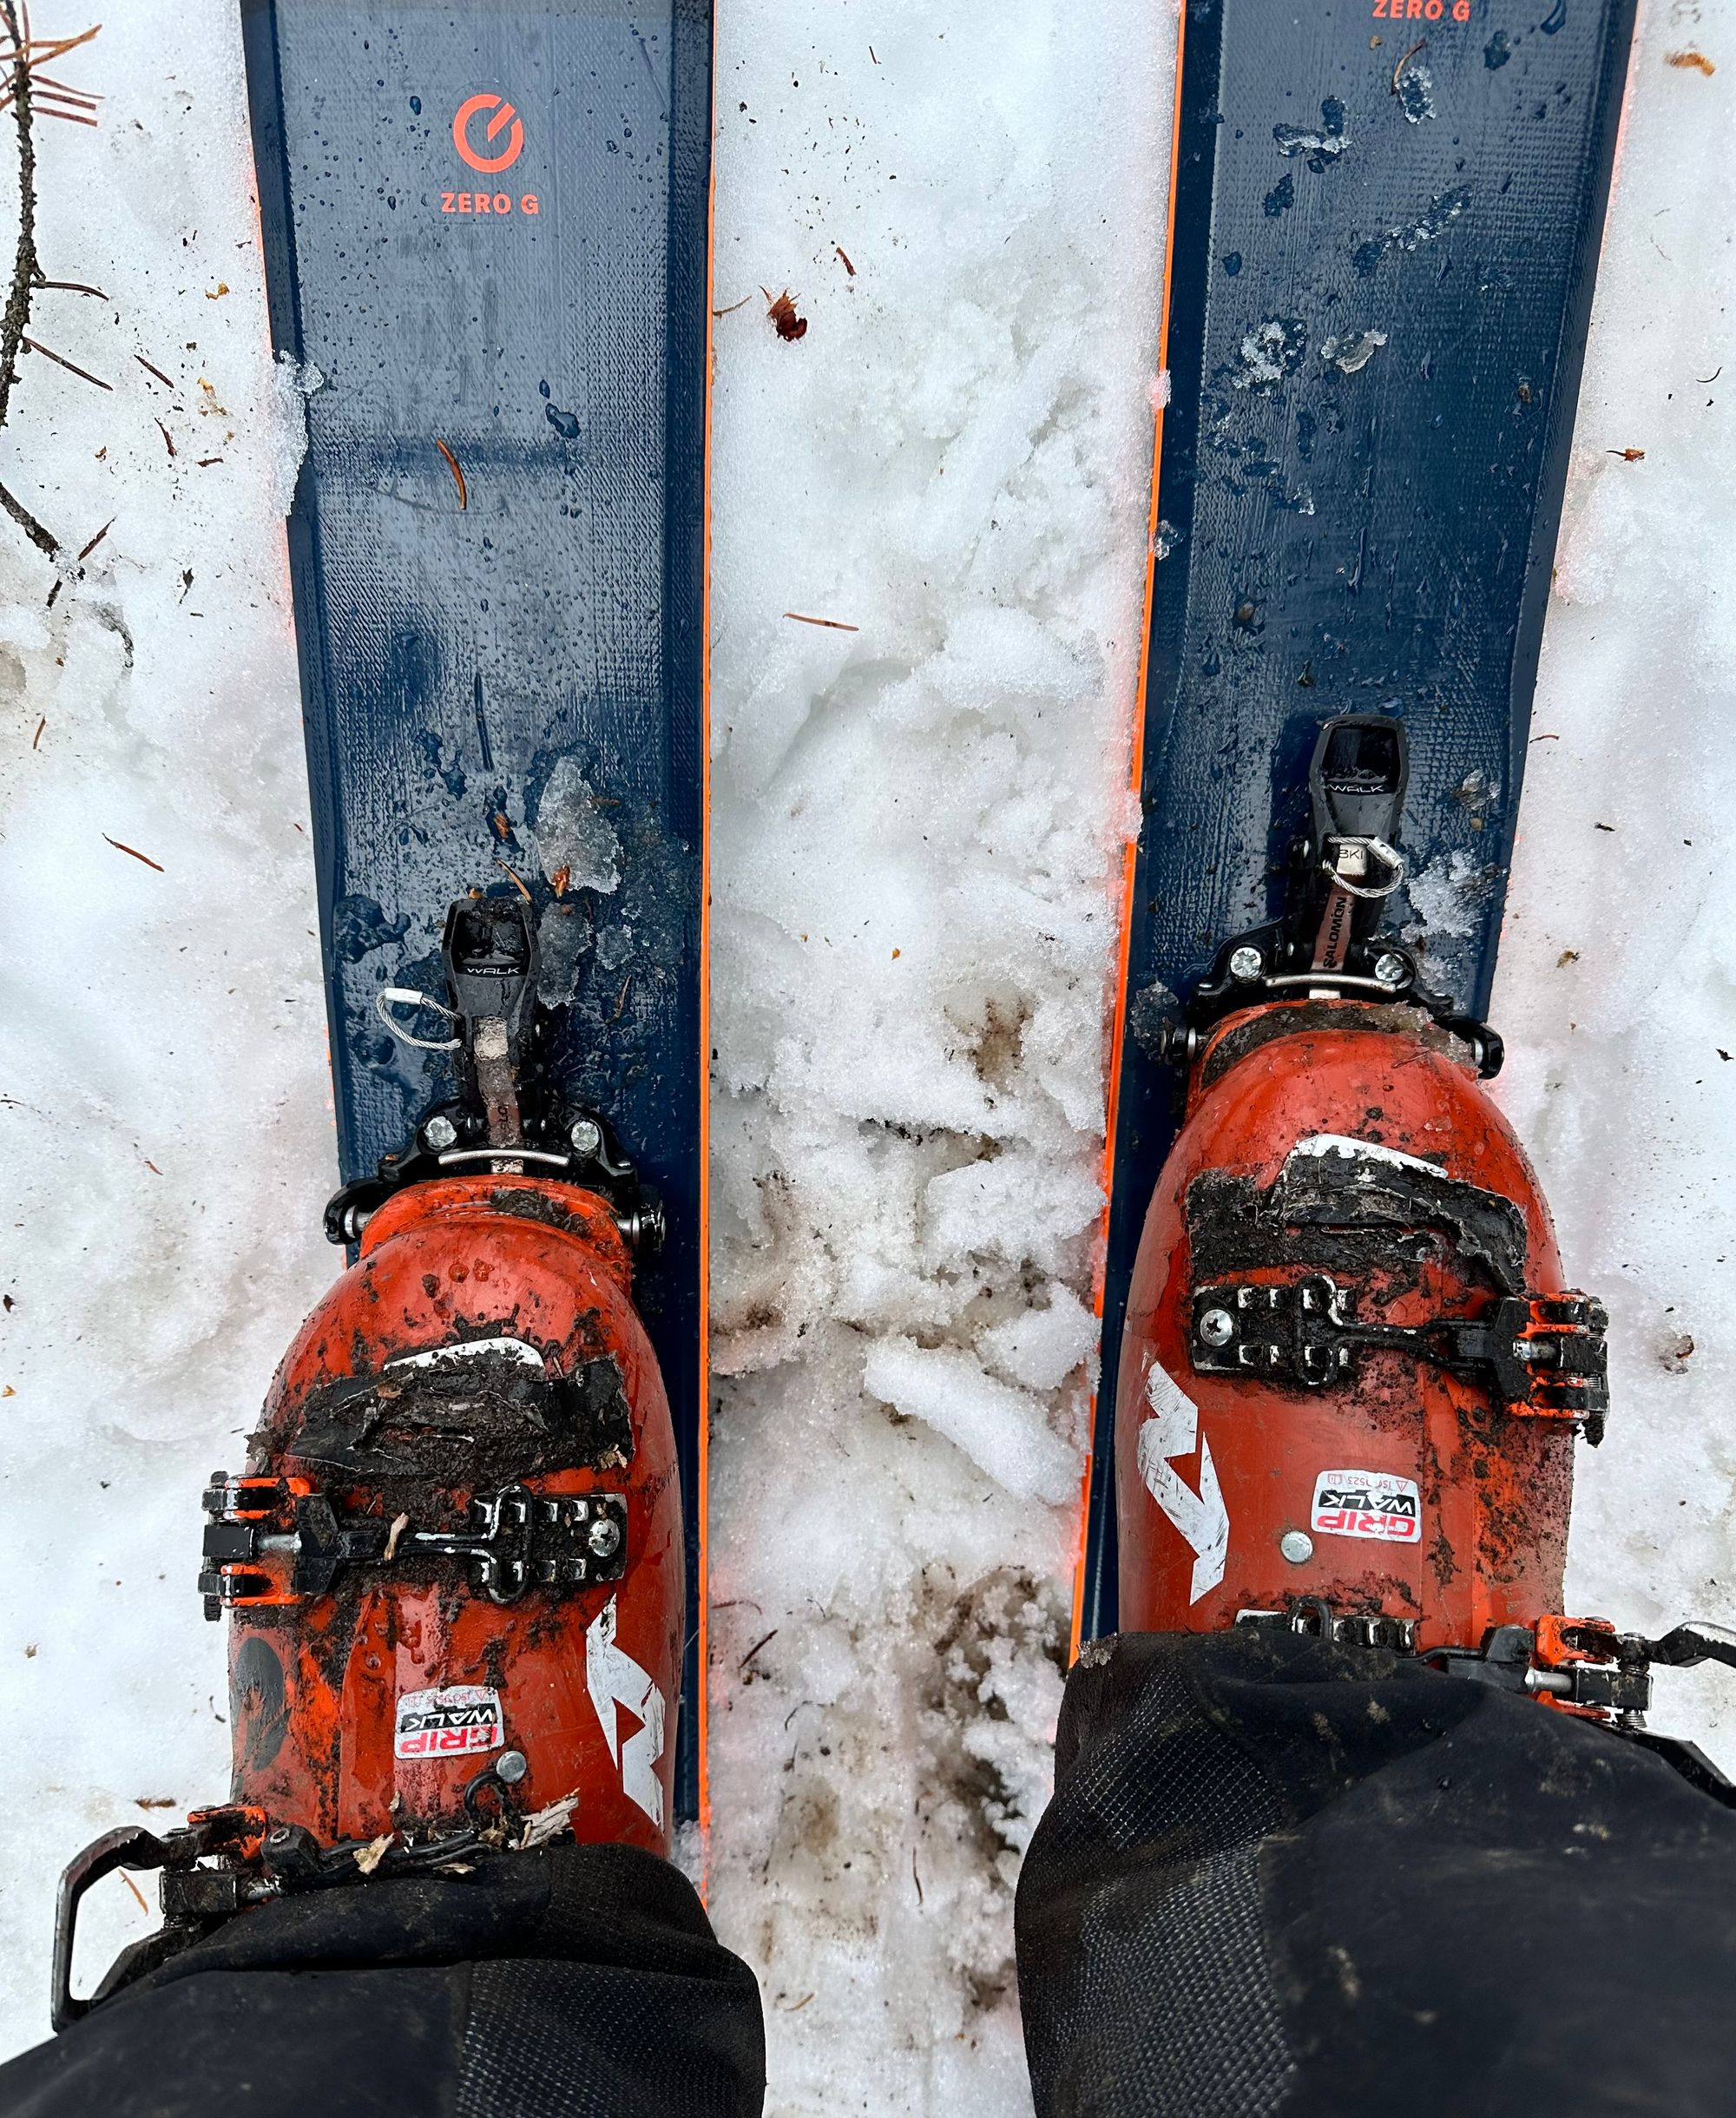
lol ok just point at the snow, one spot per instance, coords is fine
(1618, 965)
(915, 872)
(917, 845)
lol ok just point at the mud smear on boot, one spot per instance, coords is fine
(481, 1421)
(1342, 1212)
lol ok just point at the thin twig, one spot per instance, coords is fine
(137, 854)
(61, 361)
(52, 46)
(26, 270)
(21, 60)
(464, 491)
(59, 88)
(518, 880)
(44, 540)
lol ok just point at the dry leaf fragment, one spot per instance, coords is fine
(781, 308)
(548, 1823)
(368, 1857)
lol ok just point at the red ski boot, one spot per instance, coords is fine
(454, 1561)
(1352, 1375)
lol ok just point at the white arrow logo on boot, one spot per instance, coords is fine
(614, 1680)
(1202, 1518)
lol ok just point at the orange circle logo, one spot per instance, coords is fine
(505, 115)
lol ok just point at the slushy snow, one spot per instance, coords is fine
(917, 841)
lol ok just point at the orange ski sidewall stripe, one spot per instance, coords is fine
(1130, 853)
(701, 1617)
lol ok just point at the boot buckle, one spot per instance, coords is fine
(278, 1540)
(1542, 1357)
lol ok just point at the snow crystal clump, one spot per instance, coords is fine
(294, 382)
(1003, 1431)
(1042, 1347)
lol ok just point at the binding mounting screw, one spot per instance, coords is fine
(439, 1133)
(1217, 1327)
(511, 1766)
(604, 1537)
(1297, 1546)
(1390, 969)
(586, 1135)
(1247, 963)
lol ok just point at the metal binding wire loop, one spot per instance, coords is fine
(391, 996)
(1389, 858)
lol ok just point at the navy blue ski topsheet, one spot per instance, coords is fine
(1386, 222)
(485, 230)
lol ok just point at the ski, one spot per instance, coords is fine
(486, 232)
(1384, 225)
